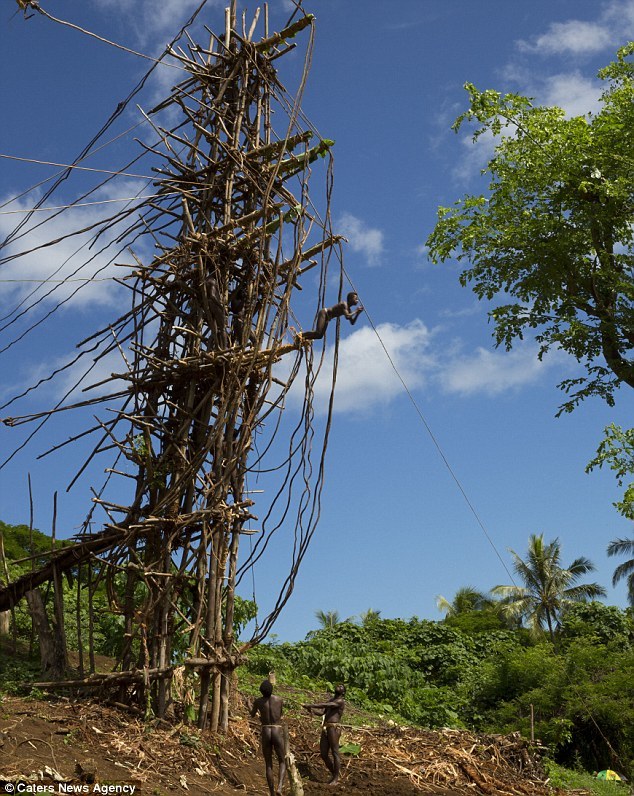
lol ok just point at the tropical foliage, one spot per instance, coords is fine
(436, 675)
(472, 669)
(625, 570)
(547, 587)
(466, 599)
(553, 237)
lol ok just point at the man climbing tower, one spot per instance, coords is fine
(326, 314)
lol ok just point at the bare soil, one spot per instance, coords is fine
(87, 743)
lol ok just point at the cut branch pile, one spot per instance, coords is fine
(456, 759)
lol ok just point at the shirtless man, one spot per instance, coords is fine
(332, 711)
(326, 314)
(269, 708)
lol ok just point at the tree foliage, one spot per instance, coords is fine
(327, 619)
(436, 674)
(617, 452)
(548, 587)
(465, 600)
(554, 237)
(626, 569)
(86, 586)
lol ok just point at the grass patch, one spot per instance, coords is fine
(567, 779)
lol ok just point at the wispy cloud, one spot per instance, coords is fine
(367, 377)
(475, 156)
(575, 37)
(152, 22)
(492, 372)
(619, 15)
(361, 238)
(53, 262)
(574, 93)
(614, 25)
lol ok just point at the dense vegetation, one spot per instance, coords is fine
(470, 671)
(571, 668)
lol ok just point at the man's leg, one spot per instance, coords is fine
(320, 328)
(280, 751)
(324, 749)
(267, 751)
(334, 734)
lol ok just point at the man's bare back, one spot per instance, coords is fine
(269, 708)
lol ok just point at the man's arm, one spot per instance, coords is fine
(323, 705)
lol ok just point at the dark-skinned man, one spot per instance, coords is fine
(332, 711)
(269, 709)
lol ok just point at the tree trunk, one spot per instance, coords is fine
(52, 662)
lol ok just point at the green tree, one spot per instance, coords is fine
(554, 237)
(465, 600)
(547, 586)
(624, 547)
(327, 619)
(369, 616)
(597, 623)
(617, 451)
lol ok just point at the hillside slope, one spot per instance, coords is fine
(82, 742)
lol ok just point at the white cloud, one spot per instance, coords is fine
(361, 238)
(620, 16)
(476, 156)
(152, 22)
(574, 37)
(365, 377)
(614, 25)
(577, 95)
(65, 266)
(492, 372)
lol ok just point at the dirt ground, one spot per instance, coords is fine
(54, 743)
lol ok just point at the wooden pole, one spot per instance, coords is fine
(7, 618)
(61, 654)
(31, 552)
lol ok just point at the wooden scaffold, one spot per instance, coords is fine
(233, 230)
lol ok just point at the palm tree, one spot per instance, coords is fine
(547, 586)
(624, 547)
(369, 616)
(466, 599)
(327, 619)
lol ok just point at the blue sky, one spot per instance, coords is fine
(386, 83)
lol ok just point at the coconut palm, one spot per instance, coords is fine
(624, 547)
(369, 616)
(466, 599)
(327, 619)
(547, 586)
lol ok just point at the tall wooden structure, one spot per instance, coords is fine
(234, 230)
